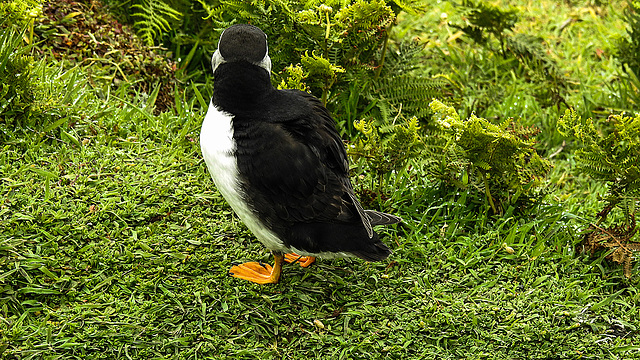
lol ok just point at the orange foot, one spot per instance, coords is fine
(304, 261)
(259, 273)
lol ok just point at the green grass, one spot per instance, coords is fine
(115, 244)
(128, 254)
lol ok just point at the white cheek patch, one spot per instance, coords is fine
(266, 63)
(216, 60)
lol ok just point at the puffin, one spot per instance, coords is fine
(278, 160)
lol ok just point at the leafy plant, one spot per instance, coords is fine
(342, 48)
(629, 47)
(483, 17)
(402, 87)
(154, 19)
(484, 21)
(405, 87)
(628, 52)
(499, 160)
(20, 14)
(295, 78)
(610, 155)
(386, 150)
(17, 94)
(321, 73)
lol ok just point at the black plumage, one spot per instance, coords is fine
(292, 167)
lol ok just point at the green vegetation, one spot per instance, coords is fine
(385, 153)
(628, 52)
(499, 159)
(611, 155)
(114, 242)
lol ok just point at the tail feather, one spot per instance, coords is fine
(380, 218)
(377, 252)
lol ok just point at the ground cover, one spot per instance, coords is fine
(114, 242)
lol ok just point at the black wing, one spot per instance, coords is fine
(296, 164)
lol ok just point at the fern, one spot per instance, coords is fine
(386, 150)
(402, 86)
(483, 17)
(499, 160)
(529, 50)
(155, 17)
(486, 22)
(629, 48)
(361, 29)
(610, 153)
(295, 79)
(410, 94)
(20, 13)
(322, 71)
(616, 240)
(411, 7)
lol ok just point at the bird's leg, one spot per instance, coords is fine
(258, 272)
(304, 261)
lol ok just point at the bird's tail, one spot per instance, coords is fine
(376, 252)
(380, 218)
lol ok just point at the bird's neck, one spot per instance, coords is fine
(237, 86)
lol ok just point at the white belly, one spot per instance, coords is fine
(218, 149)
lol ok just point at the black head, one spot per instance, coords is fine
(242, 42)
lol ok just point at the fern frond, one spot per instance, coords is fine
(483, 17)
(155, 19)
(502, 156)
(529, 50)
(633, 188)
(365, 15)
(402, 86)
(611, 155)
(361, 29)
(628, 48)
(412, 92)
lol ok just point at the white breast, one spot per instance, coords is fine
(218, 150)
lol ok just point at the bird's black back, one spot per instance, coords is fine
(293, 165)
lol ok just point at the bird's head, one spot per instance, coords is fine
(242, 42)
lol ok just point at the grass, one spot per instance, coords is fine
(135, 266)
(114, 243)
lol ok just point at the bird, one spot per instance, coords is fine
(279, 161)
